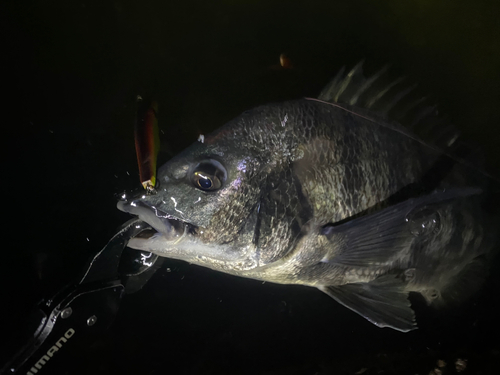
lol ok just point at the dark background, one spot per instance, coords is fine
(71, 71)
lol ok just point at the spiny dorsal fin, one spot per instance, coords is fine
(390, 99)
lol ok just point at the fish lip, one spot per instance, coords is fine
(171, 227)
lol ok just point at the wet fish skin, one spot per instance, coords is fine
(313, 172)
(293, 171)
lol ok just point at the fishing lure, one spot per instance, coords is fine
(147, 142)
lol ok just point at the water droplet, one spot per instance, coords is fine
(409, 274)
(434, 293)
(424, 221)
(91, 321)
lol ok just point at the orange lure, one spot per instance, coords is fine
(147, 142)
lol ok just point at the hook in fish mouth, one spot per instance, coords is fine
(171, 228)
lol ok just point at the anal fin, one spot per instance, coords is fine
(383, 302)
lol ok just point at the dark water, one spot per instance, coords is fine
(72, 71)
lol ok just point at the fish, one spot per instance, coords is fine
(339, 193)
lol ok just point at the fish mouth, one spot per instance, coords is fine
(168, 226)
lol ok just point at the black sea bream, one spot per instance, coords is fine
(332, 193)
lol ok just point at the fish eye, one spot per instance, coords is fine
(209, 175)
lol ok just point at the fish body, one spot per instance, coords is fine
(308, 192)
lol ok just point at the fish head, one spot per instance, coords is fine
(205, 207)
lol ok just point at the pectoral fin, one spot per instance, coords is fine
(376, 239)
(383, 302)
